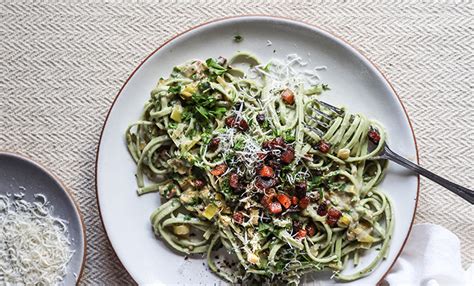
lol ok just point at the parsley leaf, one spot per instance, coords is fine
(238, 38)
(214, 67)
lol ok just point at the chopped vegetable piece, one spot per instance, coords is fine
(253, 259)
(177, 112)
(238, 38)
(288, 97)
(210, 211)
(344, 221)
(300, 234)
(304, 202)
(181, 229)
(311, 229)
(267, 171)
(219, 169)
(275, 208)
(284, 200)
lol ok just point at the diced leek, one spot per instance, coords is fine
(188, 196)
(365, 238)
(253, 259)
(188, 90)
(344, 220)
(176, 112)
(254, 216)
(210, 211)
(225, 220)
(181, 229)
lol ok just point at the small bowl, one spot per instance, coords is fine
(21, 175)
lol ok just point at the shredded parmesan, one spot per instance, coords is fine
(34, 247)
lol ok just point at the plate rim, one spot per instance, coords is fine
(68, 193)
(257, 16)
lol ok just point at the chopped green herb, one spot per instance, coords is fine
(238, 38)
(214, 67)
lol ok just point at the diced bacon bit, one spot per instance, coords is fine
(300, 234)
(284, 200)
(300, 189)
(275, 208)
(333, 216)
(322, 209)
(268, 197)
(261, 155)
(198, 183)
(219, 169)
(304, 202)
(230, 121)
(288, 97)
(266, 171)
(294, 200)
(374, 136)
(311, 229)
(241, 124)
(214, 144)
(274, 143)
(263, 183)
(288, 156)
(234, 181)
(238, 217)
(260, 118)
(324, 147)
(296, 226)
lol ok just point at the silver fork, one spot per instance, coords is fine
(325, 120)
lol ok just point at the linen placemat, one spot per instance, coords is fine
(62, 64)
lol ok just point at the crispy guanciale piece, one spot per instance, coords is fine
(284, 200)
(234, 181)
(288, 97)
(275, 208)
(266, 171)
(238, 217)
(214, 144)
(333, 216)
(300, 234)
(287, 156)
(304, 202)
(219, 169)
(374, 136)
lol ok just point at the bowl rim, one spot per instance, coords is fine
(68, 193)
(270, 17)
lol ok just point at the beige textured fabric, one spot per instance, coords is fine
(62, 64)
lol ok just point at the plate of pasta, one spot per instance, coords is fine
(244, 151)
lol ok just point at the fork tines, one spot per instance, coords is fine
(329, 117)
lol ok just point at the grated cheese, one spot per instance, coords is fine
(34, 247)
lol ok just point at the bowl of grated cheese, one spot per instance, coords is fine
(42, 239)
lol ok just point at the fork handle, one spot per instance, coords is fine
(464, 193)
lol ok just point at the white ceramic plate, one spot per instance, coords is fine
(354, 82)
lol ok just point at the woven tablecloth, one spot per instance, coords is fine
(62, 64)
